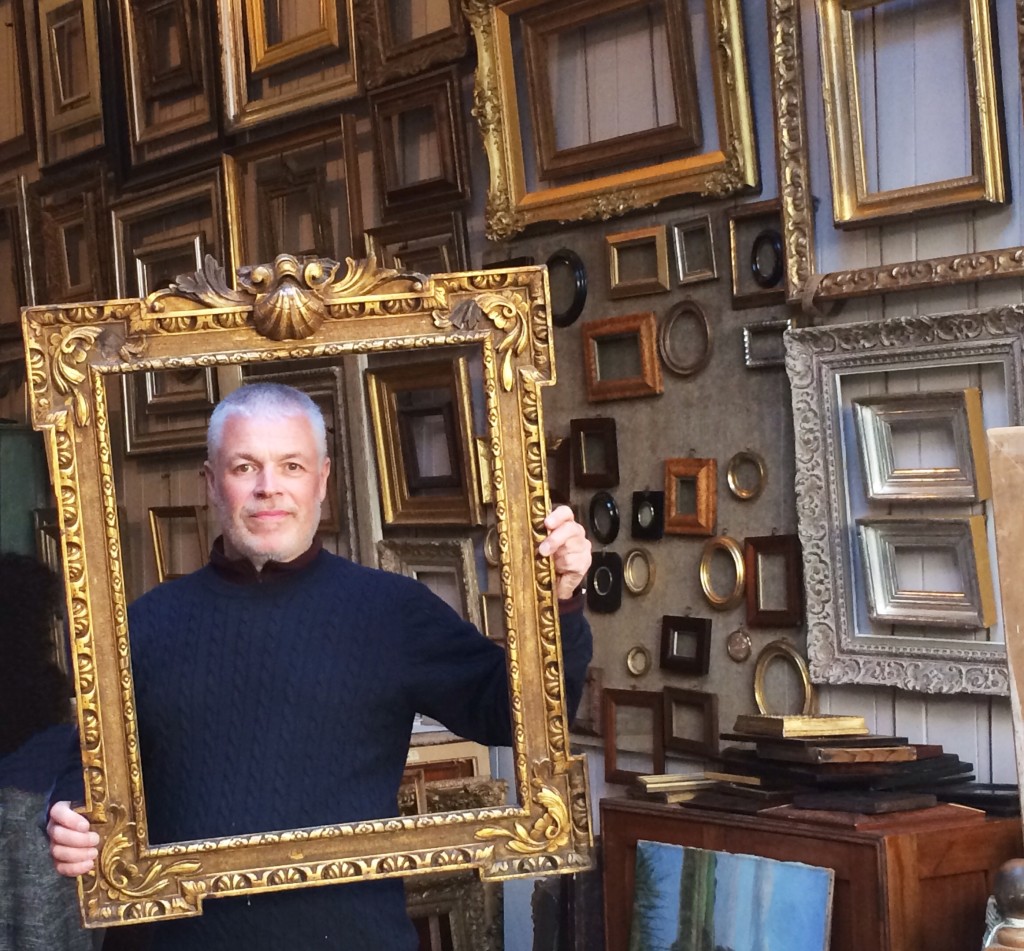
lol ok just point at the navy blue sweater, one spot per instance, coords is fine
(289, 703)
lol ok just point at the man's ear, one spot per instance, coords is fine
(208, 474)
(325, 471)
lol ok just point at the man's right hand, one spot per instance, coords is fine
(72, 843)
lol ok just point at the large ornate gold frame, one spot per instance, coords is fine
(203, 321)
(511, 206)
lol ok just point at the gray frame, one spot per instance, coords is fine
(843, 645)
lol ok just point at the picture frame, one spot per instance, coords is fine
(691, 496)
(637, 262)
(693, 245)
(160, 517)
(17, 131)
(426, 244)
(604, 582)
(211, 321)
(688, 311)
(758, 254)
(169, 77)
(763, 343)
(713, 547)
(974, 348)
(595, 452)
(516, 201)
(791, 99)
(881, 422)
(603, 517)
(559, 466)
(967, 603)
(547, 29)
(685, 645)
(772, 568)
(782, 650)
(46, 527)
(620, 358)
(645, 705)
(855, 202)
(15, 239)
(268, 75)
(419, 146)
(297, 193)
(492, 616)
(700, 705)
(567, 280)
(396, 42)
(458, 907)
(746, 489)
(445, 565)
(638, 571)
(638, 661)
(648, 517)
(399, 395)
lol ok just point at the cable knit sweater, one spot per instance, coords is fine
(289, 703)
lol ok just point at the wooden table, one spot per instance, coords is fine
(904, 885)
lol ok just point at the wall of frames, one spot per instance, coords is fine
(138, 136)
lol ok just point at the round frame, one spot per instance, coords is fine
(604, 502)
(638, 661)
(566, 257)
(732, 547)
(635, 582)
(738, 645)
(772, 239)
(492, 552)
(786, 651)
(601, 572)
(685, 308)
(732, 475)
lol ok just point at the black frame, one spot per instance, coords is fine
(566, 257)
(696, 628)
(604, 502)
(601, 601)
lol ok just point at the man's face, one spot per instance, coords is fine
(266, 482)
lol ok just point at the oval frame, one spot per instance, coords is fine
(732, 475)
(732, 548)
(569, 258)
(610, 506)
(772, 239)
(785, 651)
(629, 572)
(638, 661)
(685, 308)
(492, 550)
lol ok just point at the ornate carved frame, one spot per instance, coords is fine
(285, 311)
(817, 359)
(793, 162)
(511, 206)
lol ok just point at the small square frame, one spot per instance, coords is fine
(599, 432)
(766, 546)
(703, 473)
(653, 244)
(691, 633)
(706, 704)
(758, 255)
(638, 330)
(611, 702)
(756, 356)
(700, 265)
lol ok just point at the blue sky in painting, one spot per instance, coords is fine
(760, 904)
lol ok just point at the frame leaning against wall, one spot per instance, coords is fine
(203, 321)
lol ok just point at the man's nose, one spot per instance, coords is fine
(266, 483)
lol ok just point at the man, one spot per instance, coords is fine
(276, 687)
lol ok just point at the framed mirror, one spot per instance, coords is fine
(78, 357)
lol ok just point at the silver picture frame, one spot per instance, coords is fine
(961, 542)
(957, 414)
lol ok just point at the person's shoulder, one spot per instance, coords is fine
(172, 590)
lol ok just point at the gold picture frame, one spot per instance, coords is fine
(638, 262)
(269, 53)
(786, 652)
(159, 518)
(854, 203)
(76, 352)
(723, 600)
(620, 358)
(411, 406)
(802, 275)
(513, 203)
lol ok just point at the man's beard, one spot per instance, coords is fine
(245, 547)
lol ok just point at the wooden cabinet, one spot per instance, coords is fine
(898, 887)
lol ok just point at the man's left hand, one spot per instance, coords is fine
(567, 544)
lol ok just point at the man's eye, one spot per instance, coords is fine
(294, 467)
(243, 467)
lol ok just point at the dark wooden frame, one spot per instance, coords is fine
(788, 547)
(744, 233)
(396, 245)
(594, 427)
(696, 628)
(704, 473)
(684, 308)
(641, 327)
(683, 135)
(22, 145)
(656, 529)
(707, 704)
(651, 700)
(605, 602)
(414, 479)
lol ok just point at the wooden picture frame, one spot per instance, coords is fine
(693, 245)
(620, 358)
(516, 201)
(595, 452)
(14, 248)
(604, 582)
(690, 311)
(684, 516)
(705, 742)
(395, 389)
(169, 77)
(612, 701)
(685, 645)
(637, 262)
(396, 43)
(548, 817)
(271, 51)
(648, 517)
(17, 132)
(419, 146)
(159, 532)
(426, 244)
(547, 27)
(758, 255)
(763, 586)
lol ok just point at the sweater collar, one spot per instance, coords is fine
(242, 571)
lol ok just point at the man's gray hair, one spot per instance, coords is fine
(266, 401)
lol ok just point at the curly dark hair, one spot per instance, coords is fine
(33, 690)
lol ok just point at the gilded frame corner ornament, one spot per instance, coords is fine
(512, 206)
(843, 645)
(202, 320)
